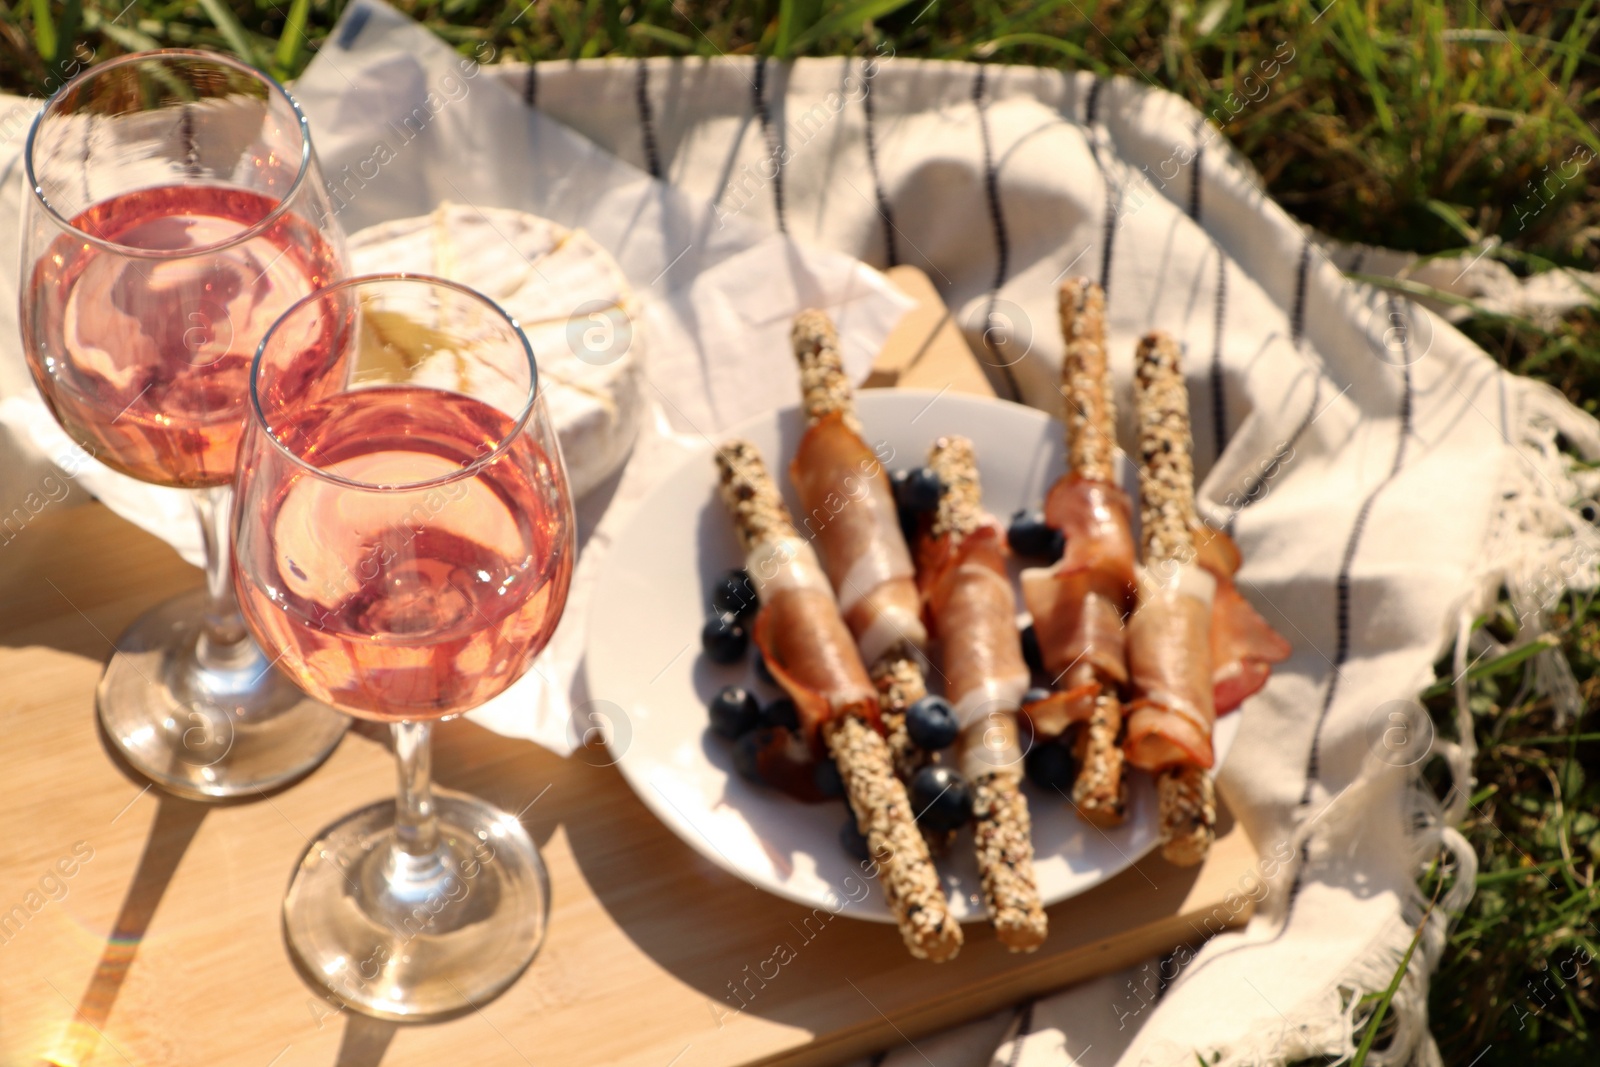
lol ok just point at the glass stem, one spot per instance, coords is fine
(416, 830)
(224, 643)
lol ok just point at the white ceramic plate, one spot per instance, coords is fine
(644, 657)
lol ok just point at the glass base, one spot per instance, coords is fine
(408, 937)
(208, 732)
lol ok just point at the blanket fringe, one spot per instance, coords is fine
(1542, 542)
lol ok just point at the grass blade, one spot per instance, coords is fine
(1382, 1009)
(129, 40)
(850, 17)
(1499, 665)
(678, 42)
(1040, 40)
(293, 36)
(235, 34)
(44, 31)
(781, 43)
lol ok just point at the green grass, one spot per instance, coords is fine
(1420, 124)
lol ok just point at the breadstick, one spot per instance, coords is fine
(1100, 790)
(992, 753)
(785, 568)
(1167, 513)
(1090, 415)
(901, 684)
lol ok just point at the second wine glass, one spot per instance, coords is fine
(405, 545)
(175, 211)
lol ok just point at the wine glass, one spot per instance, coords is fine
(176, 211)
(405, 544)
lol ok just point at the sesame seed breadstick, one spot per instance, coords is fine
(877, 798)
(1186, 793)
(900, 684)
(1166, 473)
(751, 496)
(1086, 382)
(824, 386)
(1002, 828)
(883, 813)
(1100, 790)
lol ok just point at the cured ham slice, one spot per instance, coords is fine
(1243, 646)
(1169, 660)
(1079, 603)
(973, 608)
(850, 510)
(813, 657)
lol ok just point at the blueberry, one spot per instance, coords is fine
(1033, 538)
(827, 779)
(734, 712)
(734, 594)
(851, 841)
(932, 724)
(724, 639)
(781, 712)
(1051, 766)
(917, 489)
(941, 798)
(764, 670)
(747, 755)
(1030, 650)
(910, 524)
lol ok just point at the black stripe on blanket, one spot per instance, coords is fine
(1108, 231)
(1341, 648)
(1024, 1028)
(1108, 235)
(1297, 315)
(1219, 395)
(1194, 177)
(891, 249)
(997, 219)
(758, 104)
(647, 119)
(530, 86)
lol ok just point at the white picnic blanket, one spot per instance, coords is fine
(1380, 473)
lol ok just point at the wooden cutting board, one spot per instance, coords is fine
(139, 929)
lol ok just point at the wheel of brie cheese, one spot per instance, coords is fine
(568, 295)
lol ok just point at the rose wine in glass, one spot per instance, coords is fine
(176, 211)
(405, 546)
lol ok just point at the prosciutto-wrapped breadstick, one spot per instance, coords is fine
(850, 510)
(813, 657)
(1169, 635)
(1079, 603)
(963, 575)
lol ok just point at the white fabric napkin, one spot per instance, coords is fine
(718, 294)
